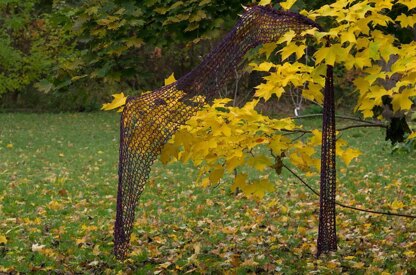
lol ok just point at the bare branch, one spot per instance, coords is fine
(362, 126)
(348, 206)
(337, 116)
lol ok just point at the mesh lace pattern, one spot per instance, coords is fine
(149, 120)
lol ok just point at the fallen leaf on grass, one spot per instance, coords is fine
(37, 247)
(3, 239)
(249, 262)
(409, 253)
(358, 265)
(54, 205)
(397, 205)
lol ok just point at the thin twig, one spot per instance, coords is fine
(296, 131)
(336, 116)
(339, 129)
(362, 126)
(347, 206)
(299, 137)
(299, 178)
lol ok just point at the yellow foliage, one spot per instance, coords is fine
(412, 135)
(222, 139)
(356, 43)
(264, 2)
(118, 101)
(287, 4)
(170, 79)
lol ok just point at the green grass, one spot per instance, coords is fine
(58, 183)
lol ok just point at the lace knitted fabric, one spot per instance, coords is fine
(149, 120)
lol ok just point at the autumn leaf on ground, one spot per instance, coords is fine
(409, 254)
(54, 205)
(249, 262)
(37, 247)
(350, 154)
(3, 239)
(397, 205)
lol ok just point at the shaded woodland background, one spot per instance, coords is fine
(72, 55)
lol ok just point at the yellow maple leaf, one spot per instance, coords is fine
(348, 37)
(288, 4)
(264, 2)
(267, 49)
(170, 79)
(409, 253)
(257, 189)
(3, 239)
(240, 182)
(412, 135)
(316, 138)
(350, 154)
(89, 227)
(293, 48)
(134, 42)
(264, 90)
(216, 175)
(264, 67)
(402, 101)
(411, 4)
(279, 144)
(118, 101)
(81, 241)
(169, 151)
(397, 205)
(358, 265)
(287, 37)
(234, 162)
(260, 162)
(261, 187)
(406, 21)
(314, 93)
(54, 205)
(327, 54)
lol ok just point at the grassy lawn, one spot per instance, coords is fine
(58, 184)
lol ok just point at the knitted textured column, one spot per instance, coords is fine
(327, 239)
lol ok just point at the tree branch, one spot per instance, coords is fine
(296, 131)
(336, 116)
(347, 206)
(377, 125)
(362, 126)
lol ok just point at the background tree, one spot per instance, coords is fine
(360, 42)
